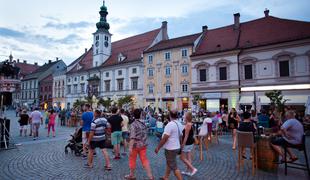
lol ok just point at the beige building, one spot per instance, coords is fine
(167, 73)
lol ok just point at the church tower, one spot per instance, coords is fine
(102, 39)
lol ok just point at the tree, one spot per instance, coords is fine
(105, 102)
(277, 102)
(78, 103)
(126, 100)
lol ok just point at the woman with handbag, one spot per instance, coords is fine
(233, 120)
(188, 145)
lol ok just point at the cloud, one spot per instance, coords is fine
(49, 18)
(6, 32)
(72, 25)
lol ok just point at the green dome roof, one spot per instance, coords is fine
(102, 24)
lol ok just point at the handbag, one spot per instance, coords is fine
(108, 142)
(180, 139)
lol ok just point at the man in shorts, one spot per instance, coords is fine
(87, 118)
(292, 132)
(171, 143)
(116, 128)
(35, 119)
(125, 130)
(96, 139)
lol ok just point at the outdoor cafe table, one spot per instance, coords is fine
(266, 156)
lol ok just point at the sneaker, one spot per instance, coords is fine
(194, 172)
(87, 166)
(184, 172)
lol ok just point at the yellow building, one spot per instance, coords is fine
(167, 73)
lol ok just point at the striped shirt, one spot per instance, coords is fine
(98, 126)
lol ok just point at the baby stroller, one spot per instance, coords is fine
(75, 143)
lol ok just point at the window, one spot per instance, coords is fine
(75, 79)
(96, 64)
(151, 88)
(184, 69)
(82, 88)
(168, 71)
(168, 88)
(97, 51)
(30, 95)
(41, 89)
(34, 94)
(82, 78)
(167, 55)
(120, 84)
(69, 89)
(49, 88)
(284, 68)
(150, 72)
(202, 75)
(107, 86)
(75, 88)
(150, 59)
(97, 37)
(69, 80)
(134, 83)
(119, 72)
(223, 73)
(248, 72)
(134, 70)
(106, 38)
(184, 53)
(45, 88)
(107, 74)
(184, 88)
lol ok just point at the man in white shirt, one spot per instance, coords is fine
(125, 130)
(35, 119)
(171, 143)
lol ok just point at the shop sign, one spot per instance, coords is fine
(211, 96)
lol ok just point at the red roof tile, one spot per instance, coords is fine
(26, 68)
(132, 47)
(85, 62)
(173, 43)
(263, 31)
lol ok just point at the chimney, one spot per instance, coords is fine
(36, 63)
(266, 12)
(85, 50)
(236, 21)
(25, 61)
(204, 28)
(57, 58)
(49, 61)
(17, 60)
(164, 29)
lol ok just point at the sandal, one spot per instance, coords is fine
(107, 168)
(130, 177)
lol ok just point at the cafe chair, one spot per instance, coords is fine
(246, 140)
(300, 147)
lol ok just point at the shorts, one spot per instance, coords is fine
(279, 141)
(35, 127)
(97, 144)
(23, 126)
(125, 135)
(116, 137)
(85, 135)
(188, 148)
(171, 158)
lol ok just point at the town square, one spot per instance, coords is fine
(154, 89)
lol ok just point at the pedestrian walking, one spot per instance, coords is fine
(46, 117)
(97, 139)
(171, 143)
(188, 145)
(125, 130)
(87, 118)
(116, 128)
(51, 123)
(35, 119)
(138, 146)
(23, 122)
(233, 120)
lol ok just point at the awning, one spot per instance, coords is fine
(291, 99)
(246, 100)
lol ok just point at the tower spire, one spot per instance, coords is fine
(103, 24)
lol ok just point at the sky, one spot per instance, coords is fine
(39, 30)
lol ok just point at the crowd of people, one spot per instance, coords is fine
(177, 132)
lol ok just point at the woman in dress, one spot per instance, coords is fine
(51, 123)
(188, 145)
(233, 120)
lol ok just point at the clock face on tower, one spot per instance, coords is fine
(106, 44)
(97, 43)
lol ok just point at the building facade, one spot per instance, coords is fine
(167, 73)
(59, 84)
(109, 68)
(236, 64)
(31, 95)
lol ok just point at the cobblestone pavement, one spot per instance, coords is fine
(45, 159)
